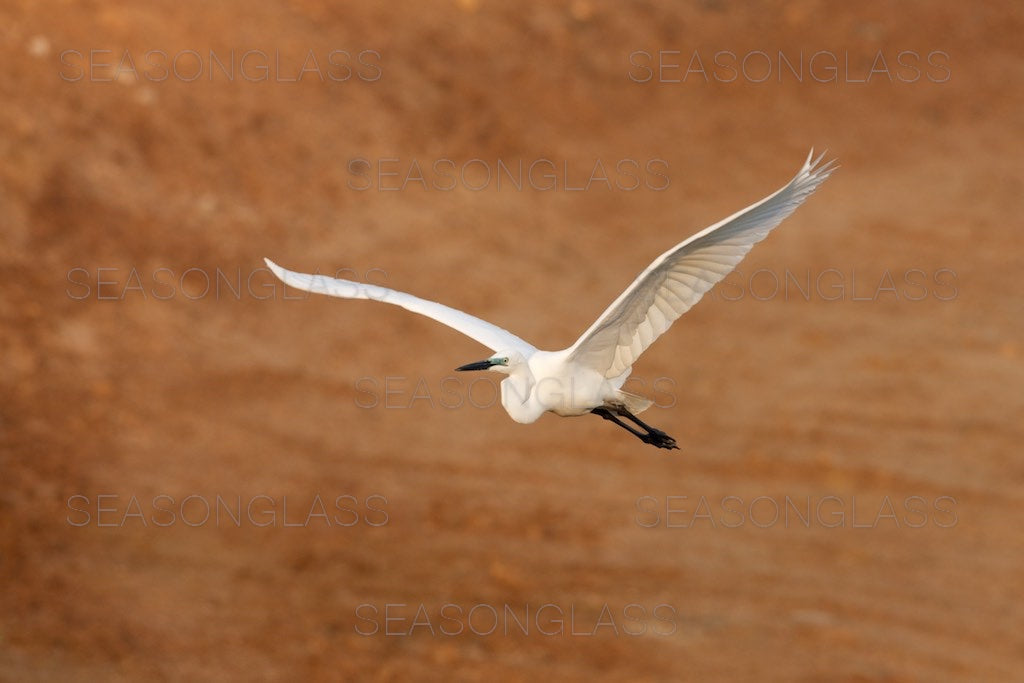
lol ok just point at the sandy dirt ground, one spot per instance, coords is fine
(207, 476)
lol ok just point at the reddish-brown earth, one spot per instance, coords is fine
(889, 397)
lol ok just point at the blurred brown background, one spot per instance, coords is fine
(126, 391)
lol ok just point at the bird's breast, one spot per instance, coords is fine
(526, 398)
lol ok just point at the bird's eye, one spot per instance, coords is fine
(504, 361)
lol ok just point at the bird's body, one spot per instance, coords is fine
(588, 376)
(549, 382)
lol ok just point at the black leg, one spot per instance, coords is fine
(653, 436)
(625, 413)
(609, 415)
(658, 437)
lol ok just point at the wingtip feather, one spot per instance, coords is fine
(814, 170)
(274, 268)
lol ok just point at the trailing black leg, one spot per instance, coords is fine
(651, 435)
(625, 413)
(609, 415)
(656, 436)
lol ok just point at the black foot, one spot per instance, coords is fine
(658, 438)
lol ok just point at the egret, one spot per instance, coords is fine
(588, 376)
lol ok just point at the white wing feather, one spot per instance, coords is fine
(677, 279)
(482, 331)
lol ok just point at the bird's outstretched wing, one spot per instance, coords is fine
(482, 331)
(678, 279)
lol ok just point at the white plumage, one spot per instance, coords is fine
(588, 376)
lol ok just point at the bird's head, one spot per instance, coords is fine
(504, 362)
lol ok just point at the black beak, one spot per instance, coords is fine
(479, 365)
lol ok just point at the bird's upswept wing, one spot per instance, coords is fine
(678, 279)
(482, 331)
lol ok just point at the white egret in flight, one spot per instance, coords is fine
(588, 376)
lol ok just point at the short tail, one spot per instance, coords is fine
(631, 402)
